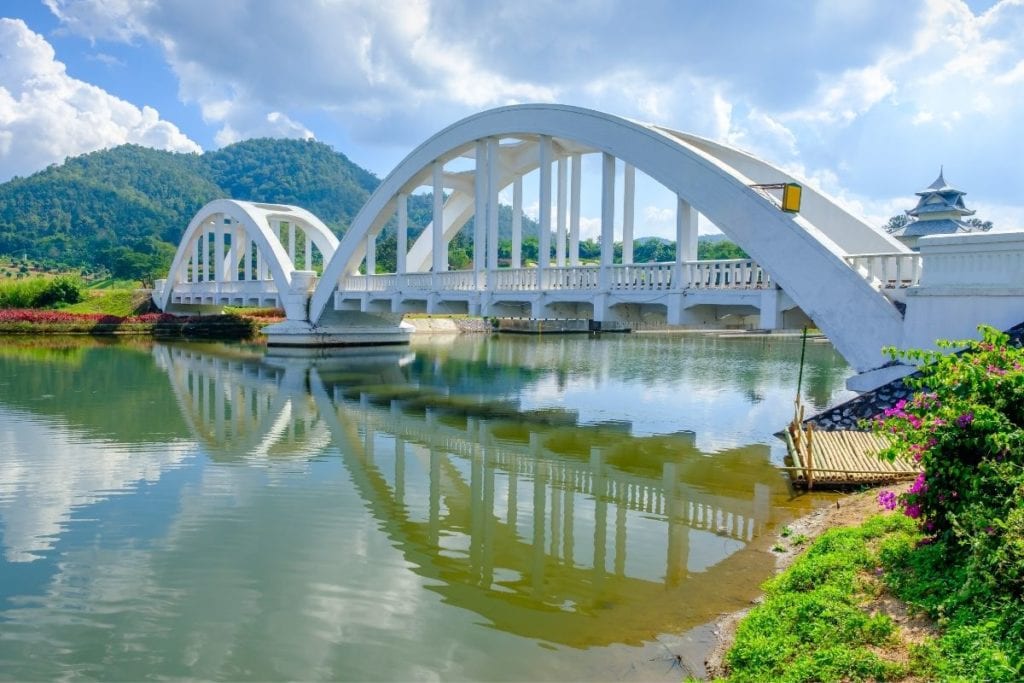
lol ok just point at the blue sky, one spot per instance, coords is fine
(863, 98)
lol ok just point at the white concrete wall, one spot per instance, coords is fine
(966, 280)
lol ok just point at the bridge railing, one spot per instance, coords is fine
(572, 277)
(460, 281)
(370, 283)
(643, 277)
(898, 270)
(239, 293)
(639, 277)
(514, 279)
(725, 274)
(417, 281)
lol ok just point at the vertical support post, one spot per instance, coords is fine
(628, 206)
(371, 254)
(307, 264)
(480, 208)
(231, 264)
(291, 244)
(686, 231)
(204, 253)
(492, 203)
(208, 234)
(218, 251)
(607, 218)
(517, 222)
(195, 258)
(544, 238)
(440, 260)
(261, 265)
(563, 172)
(246, 256)
(574, 210)
(402, 239)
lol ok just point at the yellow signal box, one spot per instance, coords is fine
(791, 193)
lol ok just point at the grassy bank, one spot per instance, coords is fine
(817, 621)
(876, 601)
(952, 550)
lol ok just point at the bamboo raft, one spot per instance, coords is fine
(839, 459)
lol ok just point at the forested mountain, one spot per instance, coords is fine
(124, 209)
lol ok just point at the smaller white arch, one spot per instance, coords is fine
(256, 219)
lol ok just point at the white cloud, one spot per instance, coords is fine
(274, 125)
(875, 93)
(590, 227)
(45, 115)
(100, 19)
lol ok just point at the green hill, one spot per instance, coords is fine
(123, 210)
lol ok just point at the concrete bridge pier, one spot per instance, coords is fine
(770, 317)
(335, 327)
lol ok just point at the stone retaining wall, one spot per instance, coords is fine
(443, 325)
(847, 416)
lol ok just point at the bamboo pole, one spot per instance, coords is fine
(810, 455)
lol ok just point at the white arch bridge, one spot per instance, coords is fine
(839, 271)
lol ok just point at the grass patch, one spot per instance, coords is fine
(114, 283)
(815, 623)
(111, 301)
(812, 625)
(982, 629)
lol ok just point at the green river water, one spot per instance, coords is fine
(470, 508)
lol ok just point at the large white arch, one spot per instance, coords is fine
(256, 219)
(804, 253)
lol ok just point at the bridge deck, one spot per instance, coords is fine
(838, 459)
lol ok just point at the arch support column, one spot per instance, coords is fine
(544, 238)
(517, 222)
(607, 218)
(628, 207)
(686, 231)
(440, 256)
(574, 210)
(562, 206)
(402, 236)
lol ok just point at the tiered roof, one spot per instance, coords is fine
(939, 211)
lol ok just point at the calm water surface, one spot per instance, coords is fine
(477, 508)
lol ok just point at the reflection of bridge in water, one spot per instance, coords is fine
(575, 534)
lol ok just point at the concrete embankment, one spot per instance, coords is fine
(445, 325)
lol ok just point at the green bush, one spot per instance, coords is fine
(40, 292)
(965, 426)
(61, 290)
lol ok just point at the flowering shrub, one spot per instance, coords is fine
(48, 317)
(966, 428)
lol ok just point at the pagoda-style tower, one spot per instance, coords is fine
(939, 211)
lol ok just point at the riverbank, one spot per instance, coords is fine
(236, 325)
(158, 325)
(427, 324)
(793, 541)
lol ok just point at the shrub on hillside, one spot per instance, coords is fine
(41, 292)
(61, 290)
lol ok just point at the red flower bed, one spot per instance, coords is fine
(43, 316)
